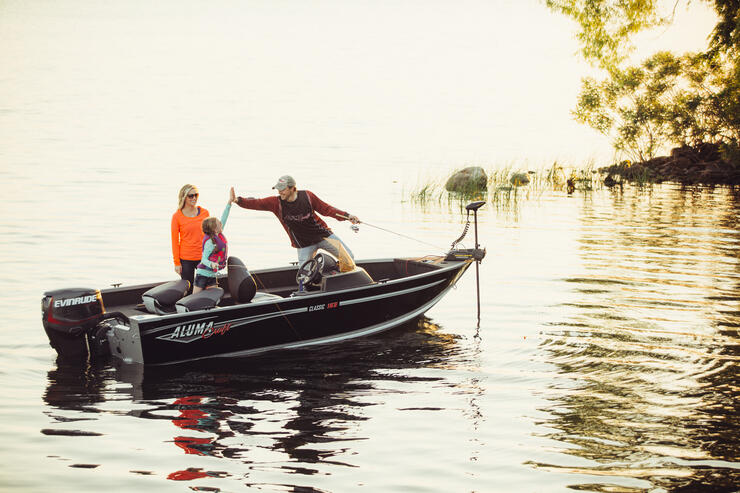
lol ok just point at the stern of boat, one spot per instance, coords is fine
(124, 341)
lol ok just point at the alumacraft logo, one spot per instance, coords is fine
(195, 331)
(81, 300)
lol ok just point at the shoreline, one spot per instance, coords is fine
(699, 165)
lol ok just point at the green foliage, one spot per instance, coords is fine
(607, 25)
(731, 154)
(667, 99)
(726, 34)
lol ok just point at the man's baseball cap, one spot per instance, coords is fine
(284, 182)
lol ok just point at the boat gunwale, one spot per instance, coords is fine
(147, 318)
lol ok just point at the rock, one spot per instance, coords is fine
(519, 178)
(702, 163)
(682, 162)
(468, 180)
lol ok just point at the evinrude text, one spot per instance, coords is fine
(80, 300)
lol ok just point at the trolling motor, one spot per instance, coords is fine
(468, 253)
(476, 254)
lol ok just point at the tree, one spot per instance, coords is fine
(679, 99)
(606, 26)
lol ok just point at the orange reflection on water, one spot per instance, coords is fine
(191, 418)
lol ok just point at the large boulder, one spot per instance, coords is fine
(468, 180)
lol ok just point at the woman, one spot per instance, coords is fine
(187, 236)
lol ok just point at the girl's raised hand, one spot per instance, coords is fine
(232, 195)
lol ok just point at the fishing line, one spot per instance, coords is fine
(399, 234)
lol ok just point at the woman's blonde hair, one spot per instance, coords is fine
(183, 194)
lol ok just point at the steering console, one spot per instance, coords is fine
(311, 270)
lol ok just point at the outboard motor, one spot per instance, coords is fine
(69, 315)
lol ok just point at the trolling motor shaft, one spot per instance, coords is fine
(476, 254)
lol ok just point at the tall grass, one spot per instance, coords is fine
(507, 185)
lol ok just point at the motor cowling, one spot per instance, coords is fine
(69, 317)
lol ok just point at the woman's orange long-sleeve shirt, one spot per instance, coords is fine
(187, 237)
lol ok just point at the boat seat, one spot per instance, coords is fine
(345, 280)
(242, 286)
(161, 299)
(202, 300)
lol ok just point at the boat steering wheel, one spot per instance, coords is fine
(309, 271)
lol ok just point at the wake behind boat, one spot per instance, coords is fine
(250, 312)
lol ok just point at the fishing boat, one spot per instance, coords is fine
(251, 312)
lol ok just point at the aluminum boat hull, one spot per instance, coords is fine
(291, 322)
(84, 322)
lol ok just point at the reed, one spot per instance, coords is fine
(510, 184)
(642, 177)
(430, 191)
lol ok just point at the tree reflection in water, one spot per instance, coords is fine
(647, 358)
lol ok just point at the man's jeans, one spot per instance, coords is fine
(306, 253)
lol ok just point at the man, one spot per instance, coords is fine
(296, 210)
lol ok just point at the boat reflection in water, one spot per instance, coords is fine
(233, 409)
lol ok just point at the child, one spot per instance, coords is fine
(215, 249)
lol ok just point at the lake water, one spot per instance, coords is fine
(606, 360)
(606, 355)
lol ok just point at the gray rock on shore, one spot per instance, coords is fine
(467, 180)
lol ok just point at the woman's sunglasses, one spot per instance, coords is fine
(192, 195)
